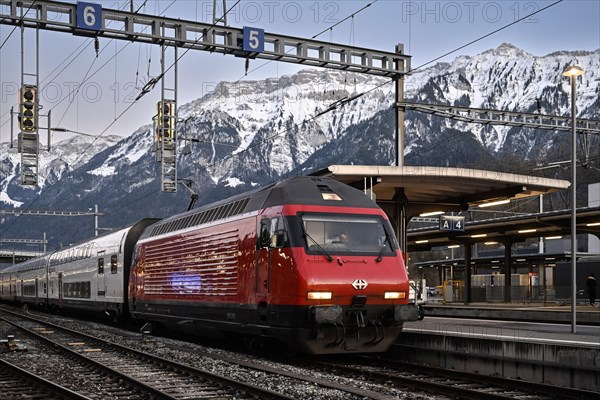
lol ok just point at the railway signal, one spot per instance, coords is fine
(28, 108)
(165, 129)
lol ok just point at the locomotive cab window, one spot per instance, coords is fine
(347, 234)
(272, 233)
(263, 238)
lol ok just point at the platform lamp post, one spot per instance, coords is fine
(573, 72)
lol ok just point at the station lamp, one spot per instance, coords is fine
(572, 72)
(431, 213)
(494, 203)
(527, 231)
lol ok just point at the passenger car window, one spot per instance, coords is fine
(113, 264)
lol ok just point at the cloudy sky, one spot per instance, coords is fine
(109, 83)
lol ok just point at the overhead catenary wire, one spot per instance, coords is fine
(153, 83)
(488, 35)
(6, 40)
(61, 69)
(316, 116)
(356, 96)
(114, 121)
(18, 24)
(95, 137)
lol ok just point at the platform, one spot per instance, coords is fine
(529, 312)
(532, 342)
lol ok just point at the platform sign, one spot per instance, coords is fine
(452, 223)
(89, 16)
(254, 39)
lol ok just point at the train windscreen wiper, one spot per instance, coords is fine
(306, 235)
(383, 246)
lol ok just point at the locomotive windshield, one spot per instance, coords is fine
(347, 234)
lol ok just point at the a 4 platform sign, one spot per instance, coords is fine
(452, 223)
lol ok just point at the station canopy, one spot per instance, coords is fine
(423, 188)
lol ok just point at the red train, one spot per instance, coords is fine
(310, 262)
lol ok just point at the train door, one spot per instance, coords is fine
(60, 288)
(101, 280)
(37, 291)
(263, 264)
(46, 286)
(271, 233)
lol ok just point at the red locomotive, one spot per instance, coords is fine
(310, 262)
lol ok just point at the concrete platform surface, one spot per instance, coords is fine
(545, 352)
(529, 312)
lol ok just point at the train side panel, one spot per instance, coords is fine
(28, 282)
(196, 276)
(92, 276)
(9, 284)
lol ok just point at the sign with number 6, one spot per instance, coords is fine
(89, 16)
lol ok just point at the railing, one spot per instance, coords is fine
(453, 291)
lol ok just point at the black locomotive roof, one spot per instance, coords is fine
(306, 190)
(314, 191)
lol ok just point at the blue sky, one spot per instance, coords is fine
(428, 29)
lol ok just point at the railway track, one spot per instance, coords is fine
(332, 378)
(450, 383)
(304, 384)
(16, 383)
(121, 372)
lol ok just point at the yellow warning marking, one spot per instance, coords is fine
(92, 350)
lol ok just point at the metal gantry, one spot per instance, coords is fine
(125, 25)
(12, 254)
(504, 118)
(53, 213)
(88, 19)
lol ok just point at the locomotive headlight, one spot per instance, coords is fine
(318, 295)
(394, 295)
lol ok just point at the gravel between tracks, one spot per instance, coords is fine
(45, 363)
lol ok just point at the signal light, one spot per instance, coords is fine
(165, 120)
(28, 108)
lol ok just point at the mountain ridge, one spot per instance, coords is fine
(250, 133)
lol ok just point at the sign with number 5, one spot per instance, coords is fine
(89, 16)
(254, 40)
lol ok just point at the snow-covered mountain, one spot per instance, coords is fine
(253, 132)
(54, 164)
(508, 78)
